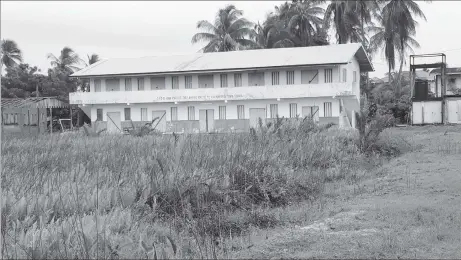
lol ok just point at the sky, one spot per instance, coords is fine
(122, 29)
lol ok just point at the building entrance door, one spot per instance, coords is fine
(114, 123)
(161, 121)
(311, 111)
(206, 120)
(255, 115)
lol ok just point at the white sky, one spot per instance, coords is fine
(146, 28)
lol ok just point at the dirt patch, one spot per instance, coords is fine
(410, 208)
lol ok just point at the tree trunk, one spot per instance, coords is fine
(399, 81)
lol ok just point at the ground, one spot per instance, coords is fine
(408, 208)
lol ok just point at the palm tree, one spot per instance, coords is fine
(229, 31)
(366, 10)
(304, 21)
(387, 35)
(11, 54)
(401, 12)
(66, 62)
(92, 59)
(343, 19)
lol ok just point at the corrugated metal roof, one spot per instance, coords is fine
(247, 59)
(447, 71)
(33, 102)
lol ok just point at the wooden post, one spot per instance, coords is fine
(38, 120)
(71, 124)
(51, 120)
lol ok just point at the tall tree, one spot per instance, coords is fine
(92, 59)
(11, 54)
(305, 21)
(66, 62)
(344, 20)
(366, 11)
(402, 13)
(229, 31)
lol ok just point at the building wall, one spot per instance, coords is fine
(230, 77)
(231, 108)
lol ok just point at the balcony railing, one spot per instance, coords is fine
(212, 94)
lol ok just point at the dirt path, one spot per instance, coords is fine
(411, 208)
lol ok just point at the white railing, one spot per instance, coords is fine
(212, 94)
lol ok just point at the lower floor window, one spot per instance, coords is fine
(143, 114)
(240, 112)
(274, 110)
(222, 112)
(99, 114)
(327, 109)
(190, 113)
(293, 110)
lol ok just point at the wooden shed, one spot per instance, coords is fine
(29, 111)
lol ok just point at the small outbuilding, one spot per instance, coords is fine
(30, 112)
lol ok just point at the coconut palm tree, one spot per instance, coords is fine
(345, 21)
(304, 21)
(402, 13)
(366, 11)
(11, 54)
(92, 59)
(229, 31)
(67, 61)
(387, 35)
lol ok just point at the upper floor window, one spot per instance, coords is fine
(290, 77)
(256, 79)
(174, 82)
(112, 84)
(128, 84)
(188, 82)
(140, 84)
(223, 78)
(275, 78)
(205, 81)
(97, 85)
(157, 83)
(344, 75)
(354, 75)
(328, 75)
(309, 76)
(237, 79)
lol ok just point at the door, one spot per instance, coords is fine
(311, 111)
(206, 120)
(160, 123)
(114, 122)
(255, 115)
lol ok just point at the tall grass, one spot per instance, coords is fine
(77, 196)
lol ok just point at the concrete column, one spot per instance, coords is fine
(354, 120)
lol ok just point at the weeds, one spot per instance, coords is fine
(180, 196)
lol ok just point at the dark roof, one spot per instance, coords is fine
(448, 70)
(34, 102)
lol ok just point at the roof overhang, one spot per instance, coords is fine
(363, 60)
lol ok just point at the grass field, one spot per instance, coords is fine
(239, 196)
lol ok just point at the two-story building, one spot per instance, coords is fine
(226, 91)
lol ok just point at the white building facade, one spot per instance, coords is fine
(229, 91)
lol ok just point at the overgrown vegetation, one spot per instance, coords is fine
(74, 196)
